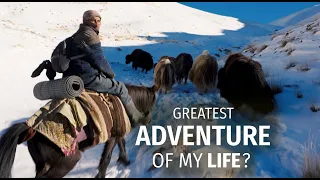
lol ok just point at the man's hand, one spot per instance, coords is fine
(105, 75)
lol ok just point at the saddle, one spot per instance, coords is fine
(98, 116)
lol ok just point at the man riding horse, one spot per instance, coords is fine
(94, 68)
(52, 143)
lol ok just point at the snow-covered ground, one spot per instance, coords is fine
(297, 17)
(29, 32)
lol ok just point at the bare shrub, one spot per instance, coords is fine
(283, 43)
(316, 82)
(291, 64)
(251, 48)
(227, 51)
(289, 51)
(263, 47)
(311, 26)
(276, 35)
(286, 41)
(276, 84)
(299, 94)
(314, 108)
(311, 164)
(304, 67)
(314, 32)
(291, 86)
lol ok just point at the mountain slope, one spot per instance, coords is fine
(297, 17)
(290, 59)
(31, 31)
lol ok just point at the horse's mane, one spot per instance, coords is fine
(143, 97)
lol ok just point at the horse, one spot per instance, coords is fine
(51, 162)
(241, 81)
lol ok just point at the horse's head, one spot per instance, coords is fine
(144, 98)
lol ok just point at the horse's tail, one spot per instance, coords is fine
(8, 145)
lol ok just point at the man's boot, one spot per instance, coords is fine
(134, 114)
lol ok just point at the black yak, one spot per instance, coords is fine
(183, 64)
(241, 81)
(204, 72)
(140, 58)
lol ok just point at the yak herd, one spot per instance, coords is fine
(241, 80)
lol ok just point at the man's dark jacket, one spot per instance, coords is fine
(90, 66)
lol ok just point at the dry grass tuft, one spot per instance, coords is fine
(304, 67)
(289, 51)
(311, 164)
(284, 42)
(291, 64)
(251, 48)
(299, 94)
(263, 47)
(314, 108)
(276, 84)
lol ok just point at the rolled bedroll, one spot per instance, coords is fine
(66, 87)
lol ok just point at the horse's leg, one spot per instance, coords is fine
(106, 157)
(123, 157)
(41, 166)
(49, 159)
(63, 165)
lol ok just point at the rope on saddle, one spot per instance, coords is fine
(74, 109)
(45, 113)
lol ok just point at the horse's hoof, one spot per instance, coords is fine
(123, 161)
(99, 176)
